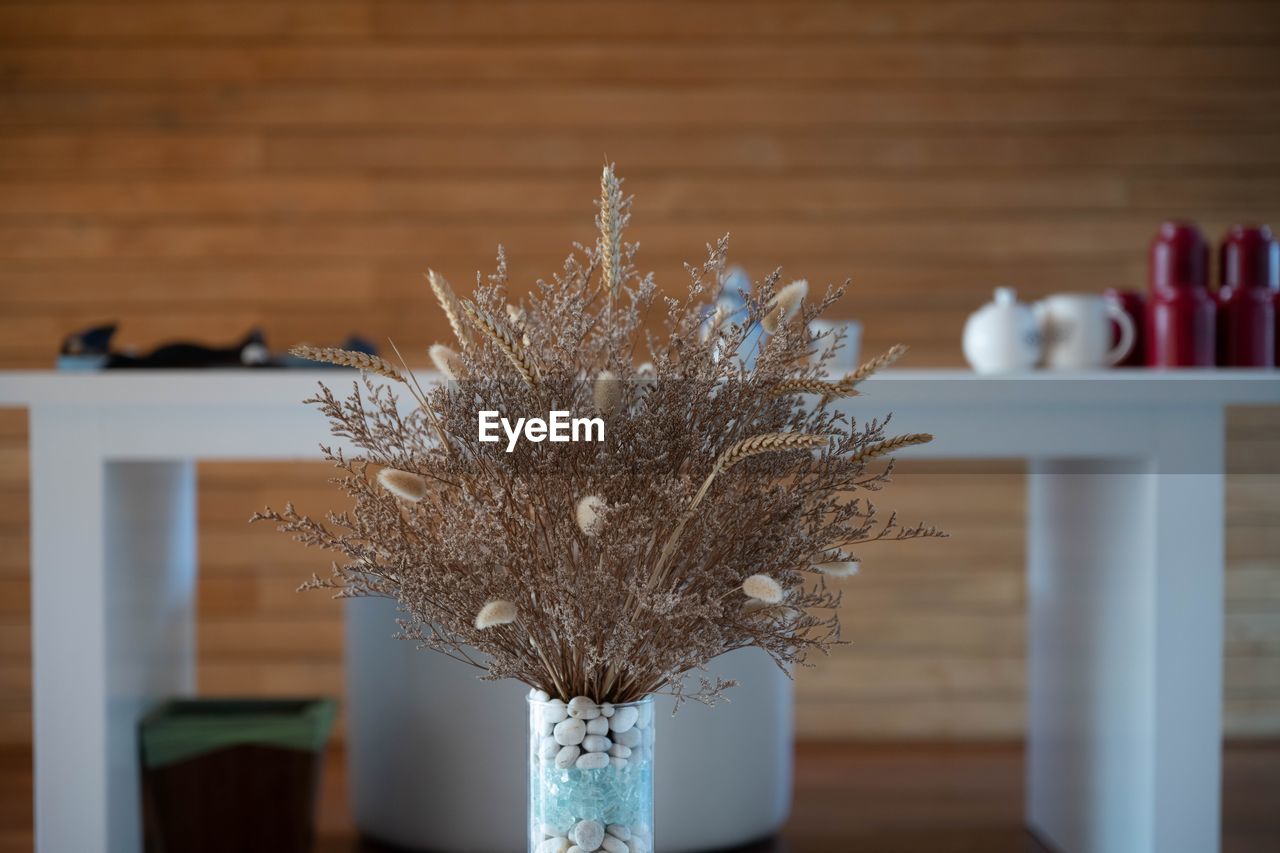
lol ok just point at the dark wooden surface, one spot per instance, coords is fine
(849, 798)
(917, 798)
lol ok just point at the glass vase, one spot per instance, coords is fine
(590, 776)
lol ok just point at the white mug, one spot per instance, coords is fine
(1076, 328)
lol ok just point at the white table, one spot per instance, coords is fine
(1125, 562)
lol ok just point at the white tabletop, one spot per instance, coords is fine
(943, 387)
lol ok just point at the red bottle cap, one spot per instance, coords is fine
(1250, 258)
(1179, 257)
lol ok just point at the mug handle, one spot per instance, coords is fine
(1127, 334)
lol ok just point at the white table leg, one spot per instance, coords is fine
(113, 571)
(1125, 650)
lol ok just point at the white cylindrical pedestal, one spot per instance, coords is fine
(421, 778)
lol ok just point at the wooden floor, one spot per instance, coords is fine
(850, 798)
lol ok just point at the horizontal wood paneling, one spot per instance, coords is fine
(592, 106)
(193, 168)
(551, 21)
(571, 62)
(750, 153)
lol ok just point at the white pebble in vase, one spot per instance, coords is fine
(598, 726)
(555, 710)
(570, 732)
(567, 756)
(588, 834)
(547, 748)
(592, 761)
(614, 845)
(582, 708)
(623, 719)
(596, 743)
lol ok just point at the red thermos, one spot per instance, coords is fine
(1246, 313)
(1180, 311)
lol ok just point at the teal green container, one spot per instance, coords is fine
(233, 774)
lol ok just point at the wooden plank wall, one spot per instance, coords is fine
(191, 167)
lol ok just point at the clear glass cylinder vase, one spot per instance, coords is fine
(590, 776)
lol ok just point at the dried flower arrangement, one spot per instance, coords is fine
(726, 496)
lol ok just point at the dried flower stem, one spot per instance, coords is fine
(423, 403)
(744, 449)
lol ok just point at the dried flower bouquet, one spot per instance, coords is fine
(727, 495)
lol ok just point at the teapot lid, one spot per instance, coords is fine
(1006, 296)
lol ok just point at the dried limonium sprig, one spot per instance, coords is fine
(725, 496)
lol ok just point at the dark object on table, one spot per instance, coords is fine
(87, 350)
(91, 350)
(92, 341)
(1181, 326)
(251, 351)
(240, 774)
(1250, 271)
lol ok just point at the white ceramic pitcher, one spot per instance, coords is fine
(1076, 330)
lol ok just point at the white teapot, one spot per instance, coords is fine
(1002, 335)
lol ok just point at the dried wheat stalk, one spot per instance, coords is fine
(449, 305)
(820, 387)
(884, 448)
(876, 364)
(611, 214)
(754, 446)
(348, 358)
(499, 334)
(744, 449)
